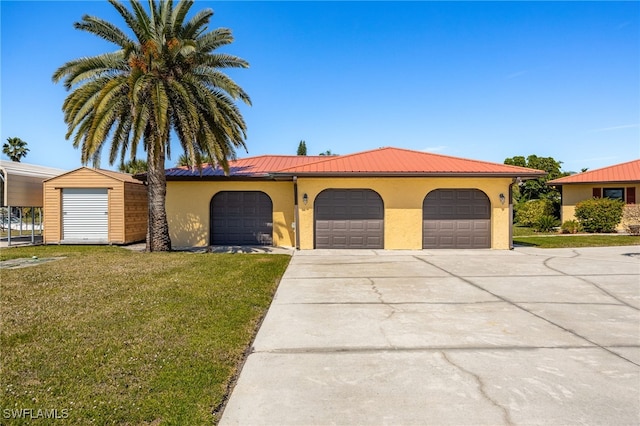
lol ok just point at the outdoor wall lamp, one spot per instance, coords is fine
(502, 198)
(305, 198)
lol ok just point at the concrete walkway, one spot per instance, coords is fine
(528, 336)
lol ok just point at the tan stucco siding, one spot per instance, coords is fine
(574, 193)
(403, 199)
(188, 209)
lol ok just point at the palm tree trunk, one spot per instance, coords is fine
(158, 228)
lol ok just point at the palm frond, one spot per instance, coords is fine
(88, 68)
(194, 27)
(218, 80)
(178, 15)
(143, 21)
(214, 39)
(129, 18)
(222, 60)
(104, 30)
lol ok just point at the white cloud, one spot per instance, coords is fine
(516, 74)
(435, 148)
(607, 129)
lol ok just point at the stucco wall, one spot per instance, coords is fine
(188, 209)
(403, 198)
(574, 193)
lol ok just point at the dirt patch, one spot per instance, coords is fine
(25, 262)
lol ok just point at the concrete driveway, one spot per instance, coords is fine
(527, 336)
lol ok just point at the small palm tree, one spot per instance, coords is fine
(133, 166)
(165, 79)
(15, 149)
(200, 159)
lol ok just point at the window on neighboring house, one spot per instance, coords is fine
(613, 193)
(616, 193)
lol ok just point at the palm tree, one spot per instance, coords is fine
(133, 166)
(166, 79)
(15, 149)
(184, 160)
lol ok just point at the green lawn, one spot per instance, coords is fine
(108, 336)
(525, 231)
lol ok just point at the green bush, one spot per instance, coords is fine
(545, 223)
(571, 227)
(530, 212)
(599, 214)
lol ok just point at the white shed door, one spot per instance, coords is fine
(85, 215)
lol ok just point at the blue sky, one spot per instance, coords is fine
(470, 79)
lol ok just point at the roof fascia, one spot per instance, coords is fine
(226, 178)
(593, 182)
(403, 174)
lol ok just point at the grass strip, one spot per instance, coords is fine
(569, 241)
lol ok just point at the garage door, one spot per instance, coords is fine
(456, 218)
(349, 218)
(241, 218)
(85, 215)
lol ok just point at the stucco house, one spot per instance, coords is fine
(387, 198)
(620, 181)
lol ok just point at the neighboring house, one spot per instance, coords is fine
(94, 206)
(387, 198)
(621, 181)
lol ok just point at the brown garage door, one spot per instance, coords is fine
(241, 218)
(456, 218)
(349, 218)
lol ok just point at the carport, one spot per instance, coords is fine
(21, 187)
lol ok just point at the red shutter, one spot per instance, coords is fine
(631, 195)
(597, 192)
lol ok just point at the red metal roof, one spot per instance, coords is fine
(382, 161)
(623, 172)
(259, 166)
(403, 161)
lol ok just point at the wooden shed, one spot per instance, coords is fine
(94, 206)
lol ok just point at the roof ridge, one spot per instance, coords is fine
(583, 177)
(605, 167)
(336, 157)
(326, 158)
(468, 159)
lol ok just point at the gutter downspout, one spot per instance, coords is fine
(296, 213)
